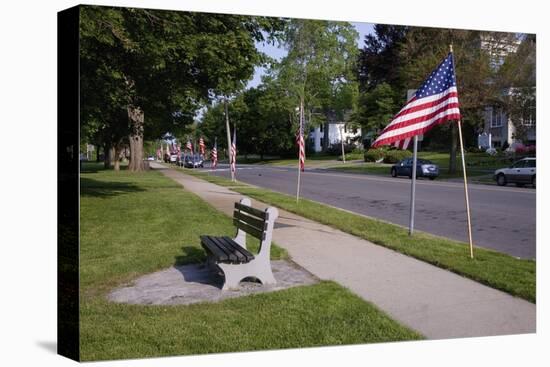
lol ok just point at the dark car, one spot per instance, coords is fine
(191, 161)
(424, 168)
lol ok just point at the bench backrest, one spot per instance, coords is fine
(251, 220)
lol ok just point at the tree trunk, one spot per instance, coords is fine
(452, 155)
(116, 157)
(106, 156)
(136, 117)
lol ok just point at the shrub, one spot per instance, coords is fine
(373, 155)
(394, 156)
(475, 150)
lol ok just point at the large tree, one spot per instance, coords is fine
(424, 48)
(263, 117)
(318, 67)
(379, 60)
(165, 64)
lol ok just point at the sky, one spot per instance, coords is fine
(278, 53)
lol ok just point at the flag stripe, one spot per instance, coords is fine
(420, 116)
(416, 130)
(414, 106)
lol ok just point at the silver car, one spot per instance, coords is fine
(522, 172)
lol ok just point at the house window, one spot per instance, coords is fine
(496, 116)
(321, 128)
(529, 115)
(321, 142)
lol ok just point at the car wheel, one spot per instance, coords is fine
(432, 178)
(519, 184)
(534, 181)
(501, 180)
(393, 172)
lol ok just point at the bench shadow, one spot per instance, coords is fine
(190, 255)
(93, 188)
(192, 266)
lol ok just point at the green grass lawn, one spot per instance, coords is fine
(133, 224)
(477, 165)
(500, 271)
(317, 159)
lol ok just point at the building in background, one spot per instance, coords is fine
(336, 132)
(501, 126)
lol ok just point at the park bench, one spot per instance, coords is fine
(231, 256)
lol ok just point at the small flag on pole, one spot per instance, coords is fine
(201, 145)
(301, 147)
(189, 145)
(214, 155)
(234, 152)
(435, 102)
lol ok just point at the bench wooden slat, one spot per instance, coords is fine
(247, 255)
(261, 225)
(228, 250)
(225, 249)
(250, 210)
(249, 229)
(207, 243)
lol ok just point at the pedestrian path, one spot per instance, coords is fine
(435, 302)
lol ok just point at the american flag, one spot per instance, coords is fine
(214, 155)
(189, 145)
(201, 145)
(435, 102)
(234, 152)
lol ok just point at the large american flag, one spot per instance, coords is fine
(214, 155)
(435, 102)
(234, 152)
(201, 145)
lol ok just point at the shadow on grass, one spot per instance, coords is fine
(95, 167)
(190, 255)
(94, 188)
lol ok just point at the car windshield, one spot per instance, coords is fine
(519, 164)
(424, 161)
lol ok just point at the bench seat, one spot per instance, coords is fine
(226, 250)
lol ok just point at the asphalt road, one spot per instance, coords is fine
(503, 218)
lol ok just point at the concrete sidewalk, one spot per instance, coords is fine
(435, 302)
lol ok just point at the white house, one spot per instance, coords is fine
(337, 131)
(501, 128)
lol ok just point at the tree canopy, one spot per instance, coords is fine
(160, 65)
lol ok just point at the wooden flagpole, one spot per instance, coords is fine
(465, 181)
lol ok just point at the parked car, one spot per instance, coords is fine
(151, 158)
(193, 161)
(424, 168)
(173, 158)
(521, 172)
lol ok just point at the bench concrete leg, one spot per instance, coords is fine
(234, 273)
